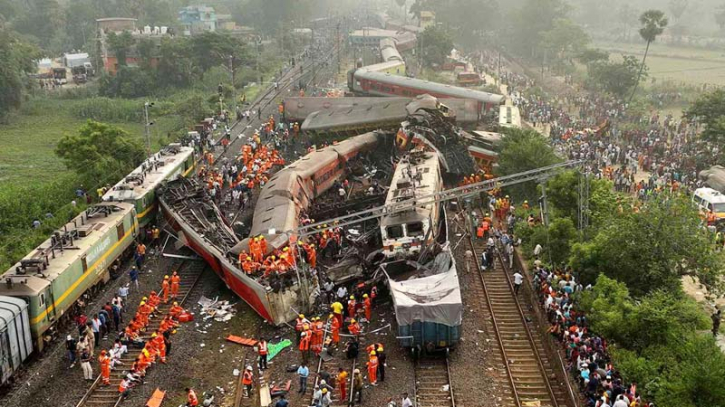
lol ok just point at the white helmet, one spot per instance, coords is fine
(249, 367)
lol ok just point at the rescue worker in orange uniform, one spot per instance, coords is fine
(175, 310)
(354, 328)
(247, 380)
(318, 334)
(105, 363)
(191, 399)
(342, 384)
(351, 307)
(263, 352)
(299, 326)
(158, 341)
(373, 368)
(335, 328)
(263, 244)
(165, 286)
(175, 280)
(305, 344)
(368, 305)
(311, 256)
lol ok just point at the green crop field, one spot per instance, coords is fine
(693, 66)
(30, 138)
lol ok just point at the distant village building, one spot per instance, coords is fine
(118, 25)
(427, 18)
(198, 19)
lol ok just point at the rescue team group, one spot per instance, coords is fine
(154, 347)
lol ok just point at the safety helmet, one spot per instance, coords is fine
(526, 201)
(175, 303)
(274, 258)
(380, 348)
(302, 315)
(312, 246)
(324, 390)
(299, 243)
(166, 277)
(144, 299)
(352, 321)
(352, 297)
(357, 371)
(249, 367)
(331, 316)
(153, 335)
(143, 303)
(373, 353)
(286, 249)
(365, 296)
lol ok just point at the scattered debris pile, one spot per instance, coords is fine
(220, 311)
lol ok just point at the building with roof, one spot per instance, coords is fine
(116, 24)
(427, 18)
(198, 19)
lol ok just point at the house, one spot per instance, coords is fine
(226, 22)
(197, 19)
(116, 24)
(427, 18)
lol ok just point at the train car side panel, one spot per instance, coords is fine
(16, 343)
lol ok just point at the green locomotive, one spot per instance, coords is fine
(138, 187)
(75, 259)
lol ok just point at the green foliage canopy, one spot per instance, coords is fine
(100, 153)
(523, 150)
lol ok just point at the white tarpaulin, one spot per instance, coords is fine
(434, 298)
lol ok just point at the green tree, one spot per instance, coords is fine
(100, 153)
(592, 55)
(528, 22)
(120, 45)
(565, 39)
(523, 150)
(617, 78)
(653, 24)
(709, 109)
(212, 49)
(146, 50)
(562, 192)
(80, 24)
(652, 249)
(17, 60)
(41, 19)
(436, 45)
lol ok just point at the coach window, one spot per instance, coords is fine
(394, 232)
(414, 229)
(85, 264)
(120, 231)
(42, 299)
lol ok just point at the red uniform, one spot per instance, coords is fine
(368, 308)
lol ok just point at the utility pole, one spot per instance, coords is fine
(338, 47)
(234, 89)
(147, 125)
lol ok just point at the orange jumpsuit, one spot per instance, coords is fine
(105, 363)
(175, 311)
(373, 369)
(335, 327)
(161, 346)
(351, 308)
(368, 308)
(165, 290)
(175, 280)
(312, 257)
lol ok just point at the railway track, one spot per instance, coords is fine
(529, 376)
(99, 395)
(432, 383)
(332, 366)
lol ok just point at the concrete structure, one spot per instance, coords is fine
(116, 24)
(225, 22)
(427, 18)
(197, 19)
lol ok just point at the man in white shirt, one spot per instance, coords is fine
(406, 401)
(341, 293)
(518, 280)
(537, 250)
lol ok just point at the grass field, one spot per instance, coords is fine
(694, 66)
(29, 141)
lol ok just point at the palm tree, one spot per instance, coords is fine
(653, 24)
